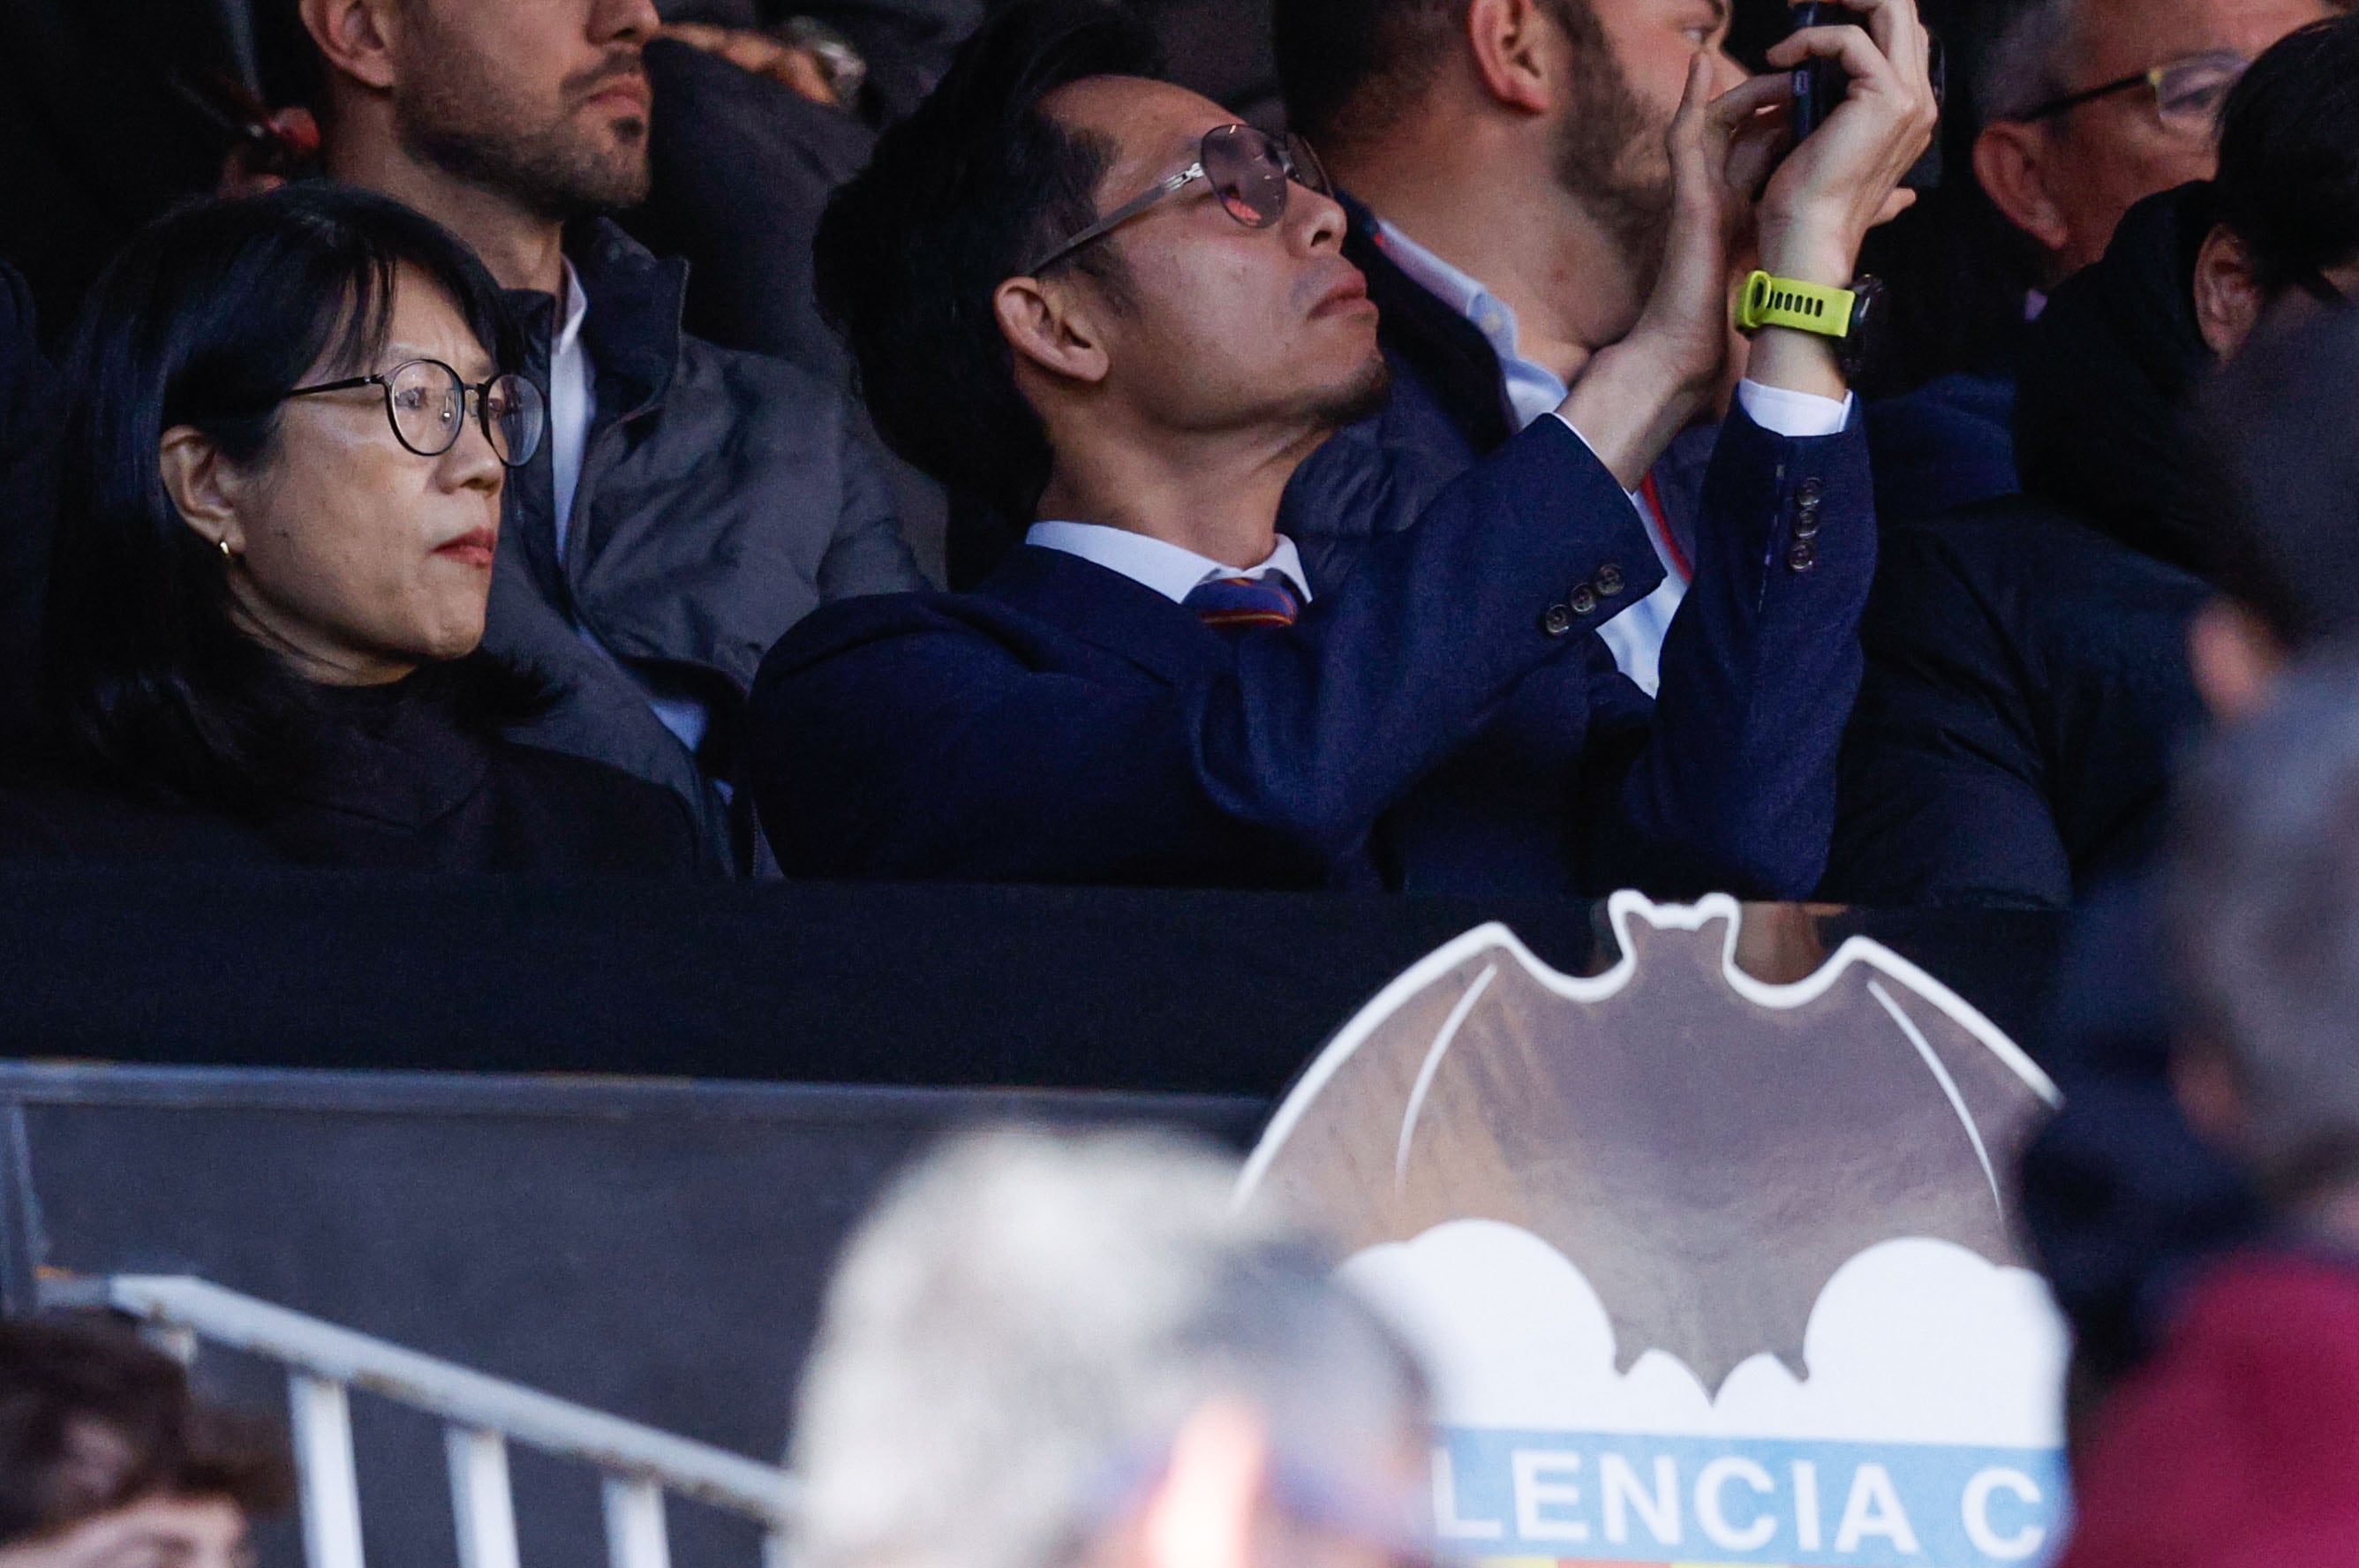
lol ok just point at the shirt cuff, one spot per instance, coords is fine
(1793, 415)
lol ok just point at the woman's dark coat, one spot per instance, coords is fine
(401, 777)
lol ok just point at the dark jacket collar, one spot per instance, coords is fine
(634, 331)
(400, 758)
(1102, 607)
(1442, 348)
(2101, 414)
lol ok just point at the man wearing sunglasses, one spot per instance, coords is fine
(1093, 300)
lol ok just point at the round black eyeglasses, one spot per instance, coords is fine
(1248, 170)
(426, 403)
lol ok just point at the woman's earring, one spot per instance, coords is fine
(227, 554)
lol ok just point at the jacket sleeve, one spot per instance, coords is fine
(928, 749)
(867, 553)
(1733, 785)
(1945, 782)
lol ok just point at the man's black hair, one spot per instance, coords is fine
(958, 199)
(207, 319)
(91, 1420)
(2289, 180)
(1350, 68)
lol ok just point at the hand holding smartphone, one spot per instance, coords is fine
(1820, 85)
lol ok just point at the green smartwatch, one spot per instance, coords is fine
(1844, 315)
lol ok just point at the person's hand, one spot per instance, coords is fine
(798, 69)
(1844, 179)
(1635, 395)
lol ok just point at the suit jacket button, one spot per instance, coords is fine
(1584, 602)
(1809, 492)
(1555, 620)
(1802, 557)
(1805, 527)
(1609, 581)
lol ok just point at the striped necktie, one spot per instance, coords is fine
(1231, 605)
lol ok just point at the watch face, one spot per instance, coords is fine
(1866, 324)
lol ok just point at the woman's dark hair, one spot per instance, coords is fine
(209, 317)
(2288, 181)
(91, 1420)
(959, 197)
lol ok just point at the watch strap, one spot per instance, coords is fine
(1769, 301)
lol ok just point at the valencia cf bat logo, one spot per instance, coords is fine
(1707, 1149)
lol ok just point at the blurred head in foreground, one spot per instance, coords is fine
(106, 1462)
(2266, 918)
(2281, 423)
(1043, 1352)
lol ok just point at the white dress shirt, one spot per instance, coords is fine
(1528, 390)
(572, 407)
(569, 403)
(1168, 569)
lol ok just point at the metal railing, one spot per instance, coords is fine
(483, 1415)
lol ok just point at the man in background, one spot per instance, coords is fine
(2090, 106)
(2087, 108)
(1510, 196)
(1043, 1350)
(106, 1462)
(2028, 688)
(693, 503)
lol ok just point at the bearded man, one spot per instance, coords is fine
(691, 503)
(1505, 170)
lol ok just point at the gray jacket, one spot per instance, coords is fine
(722, 497)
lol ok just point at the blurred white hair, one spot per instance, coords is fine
(2025, 64)
(1019, 1330)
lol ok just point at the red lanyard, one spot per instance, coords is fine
(1662, 520)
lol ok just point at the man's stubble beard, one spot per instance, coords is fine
(1610, 128)
(1361, 397)
(459, 118)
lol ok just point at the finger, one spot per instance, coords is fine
(1756, 152)
(1899, 30)
(1695, 96)
(802, 72)
(1849, 47)
(1741, 102)
(1899, 202)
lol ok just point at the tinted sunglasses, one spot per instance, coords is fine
(1248, 170)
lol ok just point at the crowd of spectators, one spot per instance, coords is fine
(1369, 496)
(1362, 488)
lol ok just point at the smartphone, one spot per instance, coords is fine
(1819, 86)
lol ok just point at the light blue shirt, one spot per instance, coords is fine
(1527, 390)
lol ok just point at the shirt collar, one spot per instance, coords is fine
(575, 310)
(1167, 568)
(1527, 389)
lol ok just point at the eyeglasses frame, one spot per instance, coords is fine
(1173, 184)
(479, 394)
(2149, 78)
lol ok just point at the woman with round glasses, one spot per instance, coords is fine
(280, 505)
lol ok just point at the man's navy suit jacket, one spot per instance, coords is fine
(1442, 719)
